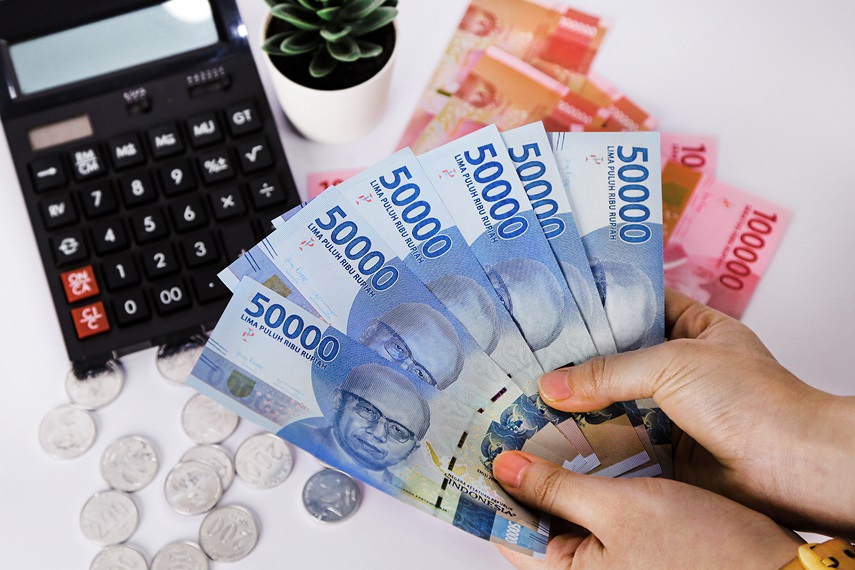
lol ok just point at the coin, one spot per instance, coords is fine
(121, 557)
(129, 464)
(97, 386)
(183, 555)
(66, 432)
(216, 457)
(331, 496)
(228, 533)
(109, 517)
(263, 461)
(192, 488)
(175, 361)
(207, 421)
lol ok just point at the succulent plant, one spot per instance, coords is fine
(330, 29)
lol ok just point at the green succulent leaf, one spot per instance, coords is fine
(345, 49)
(271, 3)
(297, 16)
(369, 49)
(312, 5)
(329, 14)
(374, 21)
(300, 42)
(334, 32)
(391, 3)
(358, 9)
(271, 44)
(322, 63)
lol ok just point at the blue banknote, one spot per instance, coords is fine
(295, 375)
(614, 184)
(529, 148)
(477, 182)
(397, 199)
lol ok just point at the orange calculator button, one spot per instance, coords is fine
(79, 283)
(90, 320)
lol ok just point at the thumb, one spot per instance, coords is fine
(590, 502)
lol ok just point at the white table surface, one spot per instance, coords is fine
(775, 83)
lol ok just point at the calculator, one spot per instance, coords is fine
(148, 158)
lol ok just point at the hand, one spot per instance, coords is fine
(640, 523)
(748, 428)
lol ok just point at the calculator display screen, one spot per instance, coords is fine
(113, 44)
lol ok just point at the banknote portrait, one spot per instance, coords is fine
(533, 298)
(420, 340)
(630, 301)
(375, 420)
(470, 303)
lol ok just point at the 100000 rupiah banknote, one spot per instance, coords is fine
(723, 241)
(293, 374)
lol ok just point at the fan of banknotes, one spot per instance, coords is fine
(396, 326)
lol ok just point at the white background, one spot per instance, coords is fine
(774, 81)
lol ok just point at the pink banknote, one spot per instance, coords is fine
(317, 182)
(723, 242)
(698, 152)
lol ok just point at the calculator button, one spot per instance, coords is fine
(242, 119)
(170, 297)
(47, 173)
(125, 151)
(86, 163)
(165, 140)
(199, 249)
(90, 320)
(130, 308)
(98, 200)
(188, 213)
(216, 166)
(238, 239)
(177, 178)
(208, 287)
(204, 129)
(227, 203)
(79, 283)
(69, 247)
(137, 189)
(149, 225)
(58, 212)
(159, 261)
(254, 156)
(120, 272)
(109, 237)
(266, 192)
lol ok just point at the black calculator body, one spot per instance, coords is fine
(148, 158)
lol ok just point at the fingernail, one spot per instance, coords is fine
(508, 468)
(554, 387)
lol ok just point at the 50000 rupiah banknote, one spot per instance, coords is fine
(293, 374)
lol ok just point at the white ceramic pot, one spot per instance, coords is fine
(338, 116)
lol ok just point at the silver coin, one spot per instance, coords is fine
(331, 496)
(109, 517)
(263, 461)
(184, 555)
(216, 457)
(206, 421)
(67, 431)
(121, 557)
(192, 488)
(97, 386)
(175, 361)
(228, 533)
(129, 464)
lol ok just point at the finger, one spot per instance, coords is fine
(686, 318)
(521, 561)
(591, 502)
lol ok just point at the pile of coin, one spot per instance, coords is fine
(195, 485)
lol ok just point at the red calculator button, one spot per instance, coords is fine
(79, 283)
(90, 320)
